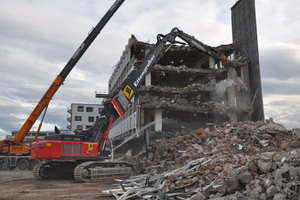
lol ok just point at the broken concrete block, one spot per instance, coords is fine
(245, 177)
(271, 191)
(252, 167)
(254, 195)
(278, 179)
(284, 145)
(267, 156)
(198, 196)
(241, 169)
(218, 169)
(267, 136)
(264, 143)
(279, 197)
(273, 126)
(263, 196)
(264, 166)
(228, 197)
(257, 188)
(267, 183)
(211, 144)
(232, 184)
(293, 171)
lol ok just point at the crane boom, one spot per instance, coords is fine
(16, 146)
(64, 73)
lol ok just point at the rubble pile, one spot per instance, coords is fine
(249, 160)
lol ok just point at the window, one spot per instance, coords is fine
(89, 109)
(79, 127)
(78, 118)
(100, 110)
(80, 108)
(91, 119)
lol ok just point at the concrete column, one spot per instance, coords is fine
(232, 104)
(212, 63)
(231, 94)
(158, 120)
(148, 79)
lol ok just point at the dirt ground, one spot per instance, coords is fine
(20, 185)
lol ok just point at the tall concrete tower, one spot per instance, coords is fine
(244, 34)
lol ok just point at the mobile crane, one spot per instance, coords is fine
(82, 155)
(14, 152)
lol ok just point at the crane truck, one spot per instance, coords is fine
(16, 153)
(83, 155)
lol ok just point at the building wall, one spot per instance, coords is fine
(244, 34)
(83, 116)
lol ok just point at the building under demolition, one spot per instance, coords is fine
(188, 89)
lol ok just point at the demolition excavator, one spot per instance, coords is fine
(16, 153)
(83, 155)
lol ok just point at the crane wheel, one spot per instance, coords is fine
(23, 164)
(2, 165)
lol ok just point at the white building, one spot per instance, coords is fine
(83, 116)
(30, 136)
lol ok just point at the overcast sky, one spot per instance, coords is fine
(38, 37)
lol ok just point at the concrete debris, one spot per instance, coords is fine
(177, 103)
(221, 162)
(184, 69)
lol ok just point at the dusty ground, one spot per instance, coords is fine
(20, 185)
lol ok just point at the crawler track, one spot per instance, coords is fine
(54, 169)
(96, 170)
(82, 172)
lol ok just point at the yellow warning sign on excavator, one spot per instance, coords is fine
(90, 147)
(128, 92)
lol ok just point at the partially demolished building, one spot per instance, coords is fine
(187, 89)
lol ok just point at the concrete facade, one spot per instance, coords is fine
(244, 34)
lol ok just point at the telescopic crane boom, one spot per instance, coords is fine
(16, 146)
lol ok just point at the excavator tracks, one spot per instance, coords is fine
(95, 170)
(54, 170)
(82, 172)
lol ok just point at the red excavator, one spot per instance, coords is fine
(83, 155)
(14, 152)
